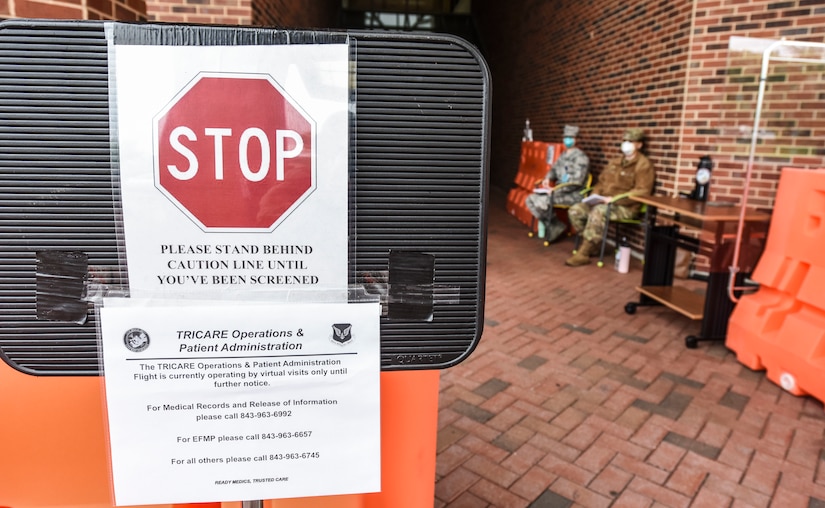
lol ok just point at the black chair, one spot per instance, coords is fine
(637, 220)
(563, 208)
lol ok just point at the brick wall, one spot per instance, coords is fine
(277, 13)
(664, 66)
(722, 94)
(274, 13)
(602, 65)
(222, 12)
(126, 10)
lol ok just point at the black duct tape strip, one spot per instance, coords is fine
(410, 286)
(60, 283)
(208, 35)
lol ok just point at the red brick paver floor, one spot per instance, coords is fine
(570, 401)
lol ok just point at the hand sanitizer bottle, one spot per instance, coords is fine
(623, 256)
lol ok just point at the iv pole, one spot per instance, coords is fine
(763, 78)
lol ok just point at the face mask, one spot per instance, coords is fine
(628, 148)
(568, 142)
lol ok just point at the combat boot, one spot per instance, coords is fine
(582, 256)
(554, 232)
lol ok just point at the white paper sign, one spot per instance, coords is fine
(233, 167)
(241, 401)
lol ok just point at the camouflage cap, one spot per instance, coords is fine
(570, 131)
(634, 135)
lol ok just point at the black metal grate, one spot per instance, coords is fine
(420, 133)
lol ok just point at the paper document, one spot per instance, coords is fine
(241, 400)
(595, 199)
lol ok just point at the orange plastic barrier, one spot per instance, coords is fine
(54, 450)
(533, 166)
(517, 208)
(781, 327)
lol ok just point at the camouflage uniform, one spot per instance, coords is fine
(570, 168)
(619, 177)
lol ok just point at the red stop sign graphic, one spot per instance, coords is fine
(234, 152)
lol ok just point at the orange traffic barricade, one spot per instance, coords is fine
(781, 327)
(56, 453)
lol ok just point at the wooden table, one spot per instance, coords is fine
(714, 226)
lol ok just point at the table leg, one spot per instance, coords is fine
(660, 255)
(718, 307)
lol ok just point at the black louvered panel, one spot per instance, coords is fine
(55, 184)
(421, 126)
(420, 149)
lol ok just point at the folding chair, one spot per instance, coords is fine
(619, 223)
(637, 220)
(561, 210)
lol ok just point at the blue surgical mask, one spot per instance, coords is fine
(568, 142)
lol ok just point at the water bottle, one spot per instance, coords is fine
(623, 256)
